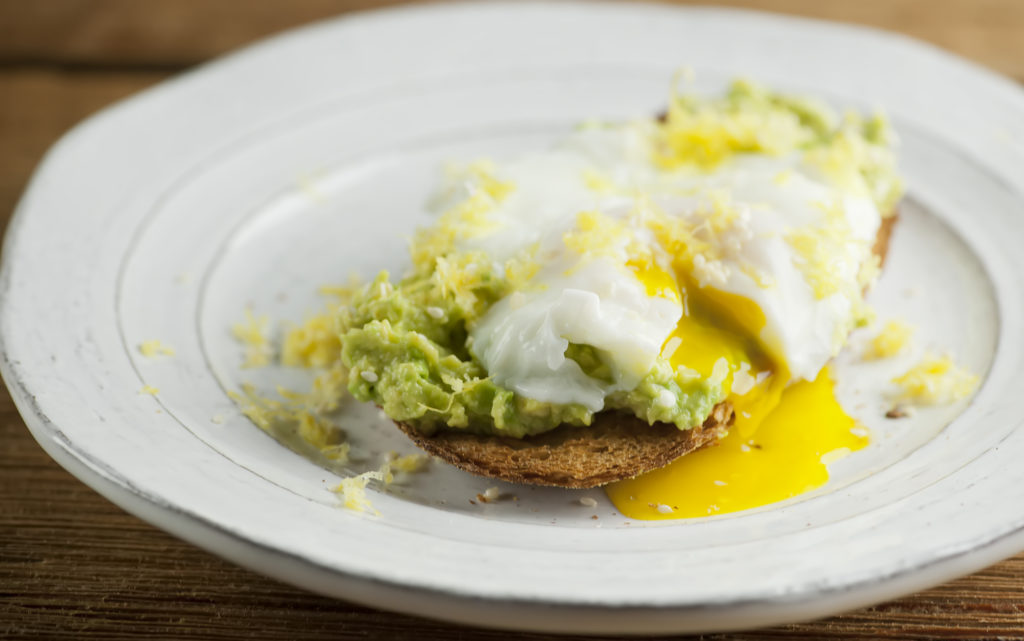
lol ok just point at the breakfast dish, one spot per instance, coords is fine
(586, 313)
(250, 181)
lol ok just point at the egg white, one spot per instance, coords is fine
(593, 300)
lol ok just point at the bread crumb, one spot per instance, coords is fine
(901, 411)
(490, 494)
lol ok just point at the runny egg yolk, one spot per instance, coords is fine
(783, 438)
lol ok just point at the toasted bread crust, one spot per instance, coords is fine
(615, 447)
(881, 246)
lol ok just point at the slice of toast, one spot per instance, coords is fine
(615, 447)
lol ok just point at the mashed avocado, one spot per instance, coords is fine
(407, 345)
(406, 349)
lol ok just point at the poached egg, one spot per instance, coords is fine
(748, 273)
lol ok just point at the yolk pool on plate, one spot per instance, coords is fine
(786, 456)
(783, 436)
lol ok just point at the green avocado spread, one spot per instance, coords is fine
(414, 364)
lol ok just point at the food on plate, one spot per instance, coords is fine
(254, 335)
(893, 339)
(352, 490)
(585, 313)
(935, 380)
(154, 348)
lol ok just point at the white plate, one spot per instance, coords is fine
(255, 179)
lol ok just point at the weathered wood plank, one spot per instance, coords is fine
(174, 33)
(73, 566)
(37, 106)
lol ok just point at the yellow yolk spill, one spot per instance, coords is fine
(783, 437)
(786, 457)
(715, 325)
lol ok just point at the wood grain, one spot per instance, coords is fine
(37, 106)
(73, 566)
(174, 33)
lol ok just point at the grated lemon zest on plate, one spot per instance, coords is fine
(935, 380)
(314, 343)
(352, 491)
(253, 335)
(891, 340)
(290, 416)
(153, 348)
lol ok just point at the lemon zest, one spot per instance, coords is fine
(352, 491)
(935, 380)
(153, 348)
(314, 343)
(892, 340)
(252, 333)
(468, 218)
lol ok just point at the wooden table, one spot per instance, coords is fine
(74, 566)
